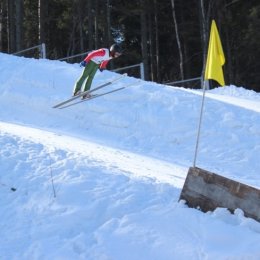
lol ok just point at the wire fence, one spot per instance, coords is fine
(139, 65)
(128, 69)
(40, 51)
(131, 70)
(186, 82)
(74, 56)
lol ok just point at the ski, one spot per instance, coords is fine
(92, 97)
(89, 91)
(99, 95)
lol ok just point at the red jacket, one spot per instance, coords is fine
(100, 56)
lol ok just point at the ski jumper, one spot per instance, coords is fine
(95, 59)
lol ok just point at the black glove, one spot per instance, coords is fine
(100, 69)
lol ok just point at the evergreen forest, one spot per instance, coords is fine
(170, 37)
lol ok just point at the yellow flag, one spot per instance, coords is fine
(216, 58)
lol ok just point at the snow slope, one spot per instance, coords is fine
(101, 180)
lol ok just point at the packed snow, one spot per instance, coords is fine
(102, 179)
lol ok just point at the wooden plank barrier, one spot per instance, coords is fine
(207, 191)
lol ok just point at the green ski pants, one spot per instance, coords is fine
(87, 77)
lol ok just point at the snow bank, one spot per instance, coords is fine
(118, 164)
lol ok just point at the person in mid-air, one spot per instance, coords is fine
(97, 59)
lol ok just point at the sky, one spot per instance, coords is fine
(102, 179)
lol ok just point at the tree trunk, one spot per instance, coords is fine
(229, 64)
(11, 26)
(1, 25)
(19, 24)
(177, 38)
(42, 12)
(109, 41)
(151, 44)
(90, 25)
(157, 52)
(144, 38)
(80, 13)
(205, 29)
(71, 49)
(203, 33)
(96, 25)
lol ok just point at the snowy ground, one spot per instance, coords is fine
(117, 165)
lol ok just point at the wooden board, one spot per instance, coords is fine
(208, 191)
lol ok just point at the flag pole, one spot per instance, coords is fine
(215, 61)
(205, 85)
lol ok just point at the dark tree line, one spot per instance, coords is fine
(169, 36)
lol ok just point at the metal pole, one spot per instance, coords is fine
(200, 120)
(142, 70)
(141, 65)
(74, 56)
(185, 80)
(26, 50)
(43, 51)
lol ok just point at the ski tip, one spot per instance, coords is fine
(56, 106)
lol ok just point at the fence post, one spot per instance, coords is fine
(43, 51)
(142, 70)
(201, 81)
